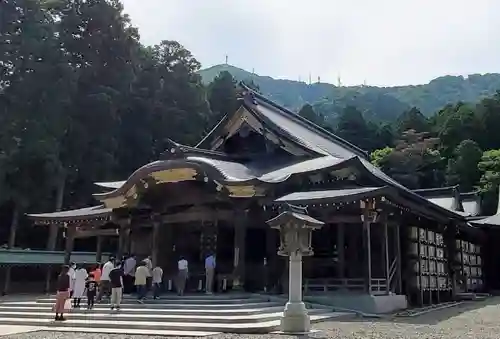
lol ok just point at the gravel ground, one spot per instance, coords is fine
(479, 320)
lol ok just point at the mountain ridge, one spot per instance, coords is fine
(376, 103)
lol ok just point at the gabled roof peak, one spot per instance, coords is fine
(252, 97)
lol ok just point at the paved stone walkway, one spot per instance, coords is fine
(7, 330)
(471, 320)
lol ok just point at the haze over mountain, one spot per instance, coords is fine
(376, 103)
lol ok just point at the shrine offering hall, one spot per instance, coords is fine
(379, 241)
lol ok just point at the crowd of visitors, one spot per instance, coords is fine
(117, 277)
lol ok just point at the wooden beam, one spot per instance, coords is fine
(195, 214)
(109, 232)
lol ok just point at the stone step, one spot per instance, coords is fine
(172, 301)
(119, 317)
(164, 305)
(145, 309)
(244, 327)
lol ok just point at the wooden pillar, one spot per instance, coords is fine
(421, 289)
(386, 254)
(272, 259)
(208, 238)
(239, 250)
(166, 259)
(462, 275)
(397, 240)
(121, 242)
(123, 238)
(70, 243)
(367, 246)
(155, 242)
(98, 250)
(340, 252)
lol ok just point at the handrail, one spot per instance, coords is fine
(393, 269)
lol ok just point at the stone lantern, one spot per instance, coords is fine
(295, 227)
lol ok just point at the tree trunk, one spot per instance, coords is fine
(54, 229)
(12, 242)
(13, 226)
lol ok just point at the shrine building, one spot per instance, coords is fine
(380, 239)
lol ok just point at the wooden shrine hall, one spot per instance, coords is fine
(379, 238)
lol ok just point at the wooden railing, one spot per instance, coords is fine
(335, 284)
(378, 285)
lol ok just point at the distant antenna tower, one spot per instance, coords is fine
(226, 59)
(364, 82)
(310, 81)
(319, 79)
(253, 71)
(339, 82)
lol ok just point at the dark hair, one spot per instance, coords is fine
(64, 269)
(91, 275)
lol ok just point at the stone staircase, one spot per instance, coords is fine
(195, 315)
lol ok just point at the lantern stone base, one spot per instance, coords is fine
(295, 318)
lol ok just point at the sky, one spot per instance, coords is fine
(377, 42)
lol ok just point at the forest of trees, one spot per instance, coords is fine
(82, 100)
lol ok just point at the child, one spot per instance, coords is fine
(91, 287)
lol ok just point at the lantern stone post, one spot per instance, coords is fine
(295, 227)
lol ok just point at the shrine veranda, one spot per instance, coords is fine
(379, 238)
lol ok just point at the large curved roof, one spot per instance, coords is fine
(225, 171)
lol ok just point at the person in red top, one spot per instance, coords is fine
(97, 273)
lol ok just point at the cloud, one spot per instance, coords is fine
(385, 42)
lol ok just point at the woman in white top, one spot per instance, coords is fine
(71, 273)
(81, 276)
(157, 280)
(182, 275)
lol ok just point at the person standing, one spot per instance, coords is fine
(81, 276)
(72, 277)
(91, 288)
(149, 265)
(116, 281)
(141, 274)
(209, 273)
(104, 285)
(157, 280)
(63, 285)
(129, 271)
(182, 275)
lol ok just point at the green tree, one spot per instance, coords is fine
(412, 119)
(380, 157)
(415, 161)
(308, 112)
(32, 111)
(489, 166)
(463, 167)
(488, 113)
(352, 127)
(222, 96)
(459, 123)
